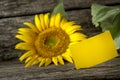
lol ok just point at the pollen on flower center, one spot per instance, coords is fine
(52, 42)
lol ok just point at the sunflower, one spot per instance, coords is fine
(48, 40)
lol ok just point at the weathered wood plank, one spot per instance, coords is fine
(14, 12)
(26, 7)
(14, 70)
(9, 26)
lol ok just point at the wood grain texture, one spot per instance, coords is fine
(27, 7)
(14, 70)
(12, 15)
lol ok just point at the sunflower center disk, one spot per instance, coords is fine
(52, 42)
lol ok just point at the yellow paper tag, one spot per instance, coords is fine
(93, 51)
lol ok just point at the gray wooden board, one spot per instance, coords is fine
(14, 70)
(12, 15)
(26, 7)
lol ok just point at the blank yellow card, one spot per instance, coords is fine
(93, 51)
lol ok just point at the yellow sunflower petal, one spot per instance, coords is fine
(23, 46)
(28, 59)
(25, 55)
(26, 32)
(69, 52)
(52, 21)
(55, 60)
(60, 59)
(46, 20)
(72, 29)
(31, 26)
(47, 61)
(37, 23)
(42, 21)
(77, 37)
(34, 58)
(66, 25)
(27, 39)
(73, 43)
(35, 62)
(40, 59)
(42, 62)
(63, 21)
(67, 57)
(57, 20)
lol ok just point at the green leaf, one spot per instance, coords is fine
(108, 18)
(59, 8)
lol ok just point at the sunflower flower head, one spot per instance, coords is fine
(48, 40)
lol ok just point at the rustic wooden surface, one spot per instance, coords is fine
(13, 70)
(14, 12)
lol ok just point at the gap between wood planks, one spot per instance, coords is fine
(67, 10)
